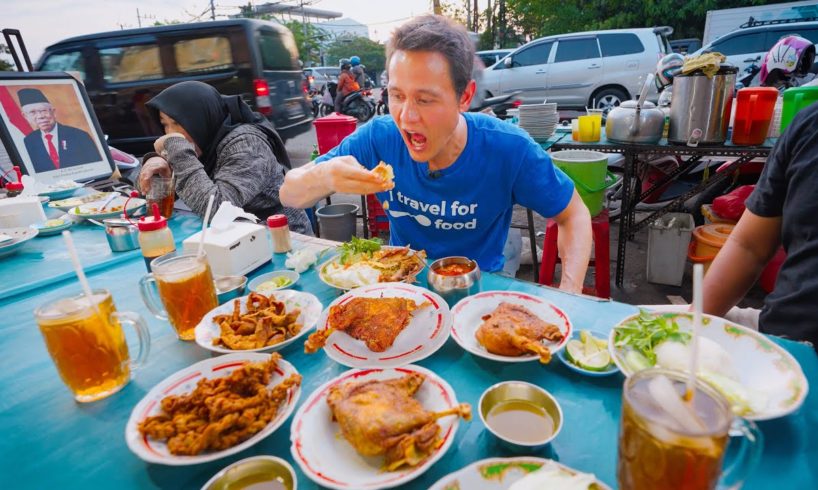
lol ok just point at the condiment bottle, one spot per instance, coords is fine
(280, 231)
(155, 238)
(15, 188)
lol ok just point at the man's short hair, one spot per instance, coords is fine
(437, 34)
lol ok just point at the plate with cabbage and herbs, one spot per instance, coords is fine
(760, 379)
(362, 262)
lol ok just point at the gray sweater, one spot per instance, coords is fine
(247, 175)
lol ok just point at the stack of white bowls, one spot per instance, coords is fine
(539, 120)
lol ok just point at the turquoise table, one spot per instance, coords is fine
(49, 441)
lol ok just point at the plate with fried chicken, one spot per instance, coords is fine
(375, 428)
(214, 408)
(510, 326)
(382, 325)
(259, 322)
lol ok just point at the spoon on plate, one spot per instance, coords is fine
(421, 219)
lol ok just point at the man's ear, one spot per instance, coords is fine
(467, 96)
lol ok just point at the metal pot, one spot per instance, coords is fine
(454, 288)
(700, 108)
(122, 235)
(636, 121)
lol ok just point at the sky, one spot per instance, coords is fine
(44, 22)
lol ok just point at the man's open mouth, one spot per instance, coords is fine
(416, 140)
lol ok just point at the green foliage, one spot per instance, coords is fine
(4, 64)
(372, 54)
(308, 40)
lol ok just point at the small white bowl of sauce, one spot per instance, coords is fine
(522, 415)
(255, 473)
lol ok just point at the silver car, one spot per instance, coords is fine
(600, 68)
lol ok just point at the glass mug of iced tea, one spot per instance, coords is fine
(162, 192)
(86, 342)
(666, 443)
(186, 290)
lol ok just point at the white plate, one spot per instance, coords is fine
(67, 204)
(427, 331)
(468, 315)
(19, 236)
(760, 363)
(183, 382)
(56, 194)
(207, 330)
(334, 260)
(498, 474)
(135, 205)
(330, 461)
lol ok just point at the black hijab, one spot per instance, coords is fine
(209, 116)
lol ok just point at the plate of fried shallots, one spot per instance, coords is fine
(382, 325)
(259, 322)
(510, 326)
(214, 408)
(375, 428)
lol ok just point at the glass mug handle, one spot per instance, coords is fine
(150, 297)
(747, 456)
(135, 320)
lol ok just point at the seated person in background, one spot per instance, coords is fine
(216, 144)
(782, 209)
(456, 175)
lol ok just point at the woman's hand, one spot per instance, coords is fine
(159, 145)
(345, 175)
(154, 166)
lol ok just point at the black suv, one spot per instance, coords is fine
(122, 70)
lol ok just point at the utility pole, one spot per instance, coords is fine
(212, 11)
(476, 10)
(138, 17)
(436, 6)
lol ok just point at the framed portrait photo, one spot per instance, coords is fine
(48, 128)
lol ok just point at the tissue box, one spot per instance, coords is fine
(21, 211)
(235, 250)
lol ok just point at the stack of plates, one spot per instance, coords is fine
(539, 120)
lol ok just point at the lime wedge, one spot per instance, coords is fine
(587, 355)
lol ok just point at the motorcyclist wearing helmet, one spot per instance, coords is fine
(790, 58)
(358, 71)
(346, 84)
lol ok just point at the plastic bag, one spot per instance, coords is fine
(731, 206)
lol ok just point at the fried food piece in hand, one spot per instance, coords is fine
(385, 172)
(375, 321)
(221, 412)
(513, 330)
(384, 418)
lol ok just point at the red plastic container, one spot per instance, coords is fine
(754, 113)
(331, 130)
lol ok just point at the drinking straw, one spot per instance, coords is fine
(204, 225)
(72, 252)
(698, 273)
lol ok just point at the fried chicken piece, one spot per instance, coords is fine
(375, 321)
(513, 330)
(221, 412)
(384, 418)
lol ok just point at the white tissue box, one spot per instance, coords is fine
(235, 250)
(21, 211)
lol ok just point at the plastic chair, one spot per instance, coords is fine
(601, 261)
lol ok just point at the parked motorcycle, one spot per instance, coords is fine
(358, 104)
(500, 104)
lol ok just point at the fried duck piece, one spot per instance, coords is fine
(375, 321)
(222, 412)
(383, 418)
(513, 330)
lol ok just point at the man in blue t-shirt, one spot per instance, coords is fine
(457, 175)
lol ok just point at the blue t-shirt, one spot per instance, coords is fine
(464, 209)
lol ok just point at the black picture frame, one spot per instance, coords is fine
(15, 148)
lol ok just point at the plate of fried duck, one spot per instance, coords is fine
(510, 326)
(361, 262)
(383, 325)
(259, 322)
(214, 408)
(375, 428)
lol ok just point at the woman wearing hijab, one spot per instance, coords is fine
(215, 144)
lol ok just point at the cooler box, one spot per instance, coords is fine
(331, 130)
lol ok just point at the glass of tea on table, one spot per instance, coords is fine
(163, 193)
(669, 443)
(185, 288)
(87, 343)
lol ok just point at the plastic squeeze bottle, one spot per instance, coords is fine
(155, 238)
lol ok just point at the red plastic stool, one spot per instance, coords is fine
(601, 261)
(376, 216)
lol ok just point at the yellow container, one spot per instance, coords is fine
(706, 243)
(589, 128)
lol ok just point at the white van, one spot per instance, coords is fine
(576, 70)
